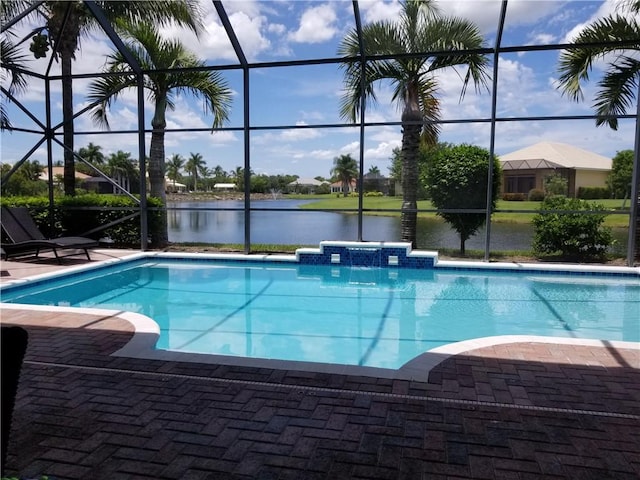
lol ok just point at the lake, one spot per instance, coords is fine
(305, 227)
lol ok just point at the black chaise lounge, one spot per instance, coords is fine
(25, 237)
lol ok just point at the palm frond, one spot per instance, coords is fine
(12, 61)
(617, 90)
(108, 88)
(186, 13)
(576, 64)
(453, 34)
(4, 118)
(211, 88)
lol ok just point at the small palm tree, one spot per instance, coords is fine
(65, 23)
(345, 168)
(159, 57)
(93, 154)
(194, 166)
(419, 31)
(619, 85)
(219, 173)
(121, 169)
(174, 165)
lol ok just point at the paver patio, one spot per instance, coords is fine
(514, 411)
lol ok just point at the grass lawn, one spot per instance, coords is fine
(511, 212)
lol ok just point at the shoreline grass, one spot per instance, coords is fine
(506, 211)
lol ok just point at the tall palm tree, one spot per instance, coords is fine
(63, 25)
(194, 166)
(419, 31)
(345, 168)
(160, 58)
(619, 85)
(174, 165)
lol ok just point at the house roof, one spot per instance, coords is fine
(60, 171)
(554, 155)
(307, 181)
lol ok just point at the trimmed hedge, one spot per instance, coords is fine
(536, 195)
(594, 193)
(75, 216)
(514, 197)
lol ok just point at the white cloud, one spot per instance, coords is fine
(289, 135)
(317, 24)
(376, 11)
(542, 39)
(382, 151)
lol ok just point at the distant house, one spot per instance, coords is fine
(375, 182)
(307, 185)
(527, 168)
(336, 187)
(58, 172)
(174, 187)
(224, 186)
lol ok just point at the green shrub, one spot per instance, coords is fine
(80, 214)
(457, 180)
(593, 193)
(373, 194)
(536, 195)
(569, 232)
(556, 184)
(514, 197)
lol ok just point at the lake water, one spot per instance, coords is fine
(305, 227)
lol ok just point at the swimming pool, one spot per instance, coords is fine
(345, 315)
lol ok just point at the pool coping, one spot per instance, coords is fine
(147, 332)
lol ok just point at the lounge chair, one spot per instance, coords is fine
(25, 237)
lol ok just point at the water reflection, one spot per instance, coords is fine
(303, 227)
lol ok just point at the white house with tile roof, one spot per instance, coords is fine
(526, 169)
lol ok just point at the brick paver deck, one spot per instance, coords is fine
(514, 411)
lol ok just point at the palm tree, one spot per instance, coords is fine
(121, 169)
(194, 165)
(374, 170)
(93, 154)
(174, 165)
(619, 85)
(219, 173)
(345, 168)
(66, 22)
(160, 58)
(419, 31)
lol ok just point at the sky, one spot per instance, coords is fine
(272, 31)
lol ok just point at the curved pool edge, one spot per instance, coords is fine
(146, 333)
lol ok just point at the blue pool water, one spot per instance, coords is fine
(347, 315)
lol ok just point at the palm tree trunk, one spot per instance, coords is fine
(160, 236)
(67, 115)
(410, 150)
(64, 26)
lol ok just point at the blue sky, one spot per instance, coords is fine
(296, 30)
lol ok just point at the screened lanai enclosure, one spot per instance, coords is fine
(289, 123)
